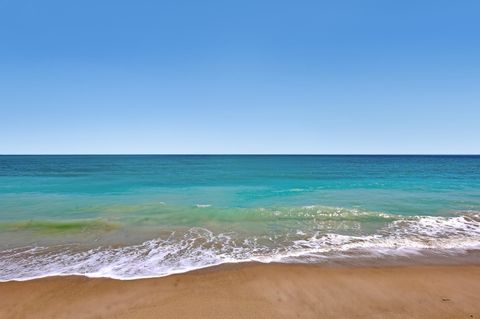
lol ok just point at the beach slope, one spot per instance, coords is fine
(255, 291)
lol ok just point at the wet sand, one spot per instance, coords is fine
(255, 291)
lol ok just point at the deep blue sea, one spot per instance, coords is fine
(153, 215)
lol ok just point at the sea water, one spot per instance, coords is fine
(152, 215)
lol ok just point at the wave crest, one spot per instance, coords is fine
(197, 247)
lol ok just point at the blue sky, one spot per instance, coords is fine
(239, 76)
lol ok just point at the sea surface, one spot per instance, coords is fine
(143, 216)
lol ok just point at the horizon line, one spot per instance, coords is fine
(240, 154)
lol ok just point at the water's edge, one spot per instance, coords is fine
(398, 240)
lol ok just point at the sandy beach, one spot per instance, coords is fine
(255, 291)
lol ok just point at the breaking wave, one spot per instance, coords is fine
(182, 250)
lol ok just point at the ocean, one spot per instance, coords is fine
(139, 216)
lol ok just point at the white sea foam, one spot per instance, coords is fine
(198, 248)
(202, 205)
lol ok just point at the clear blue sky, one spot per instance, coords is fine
(239, 76)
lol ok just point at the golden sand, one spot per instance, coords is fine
(255, 291)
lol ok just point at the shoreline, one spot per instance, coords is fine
(468, 258)
(255, 290)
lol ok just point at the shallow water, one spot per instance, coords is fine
(145, 216)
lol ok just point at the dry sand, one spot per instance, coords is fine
(255, 291)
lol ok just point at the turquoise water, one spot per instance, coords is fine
(143, 216)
